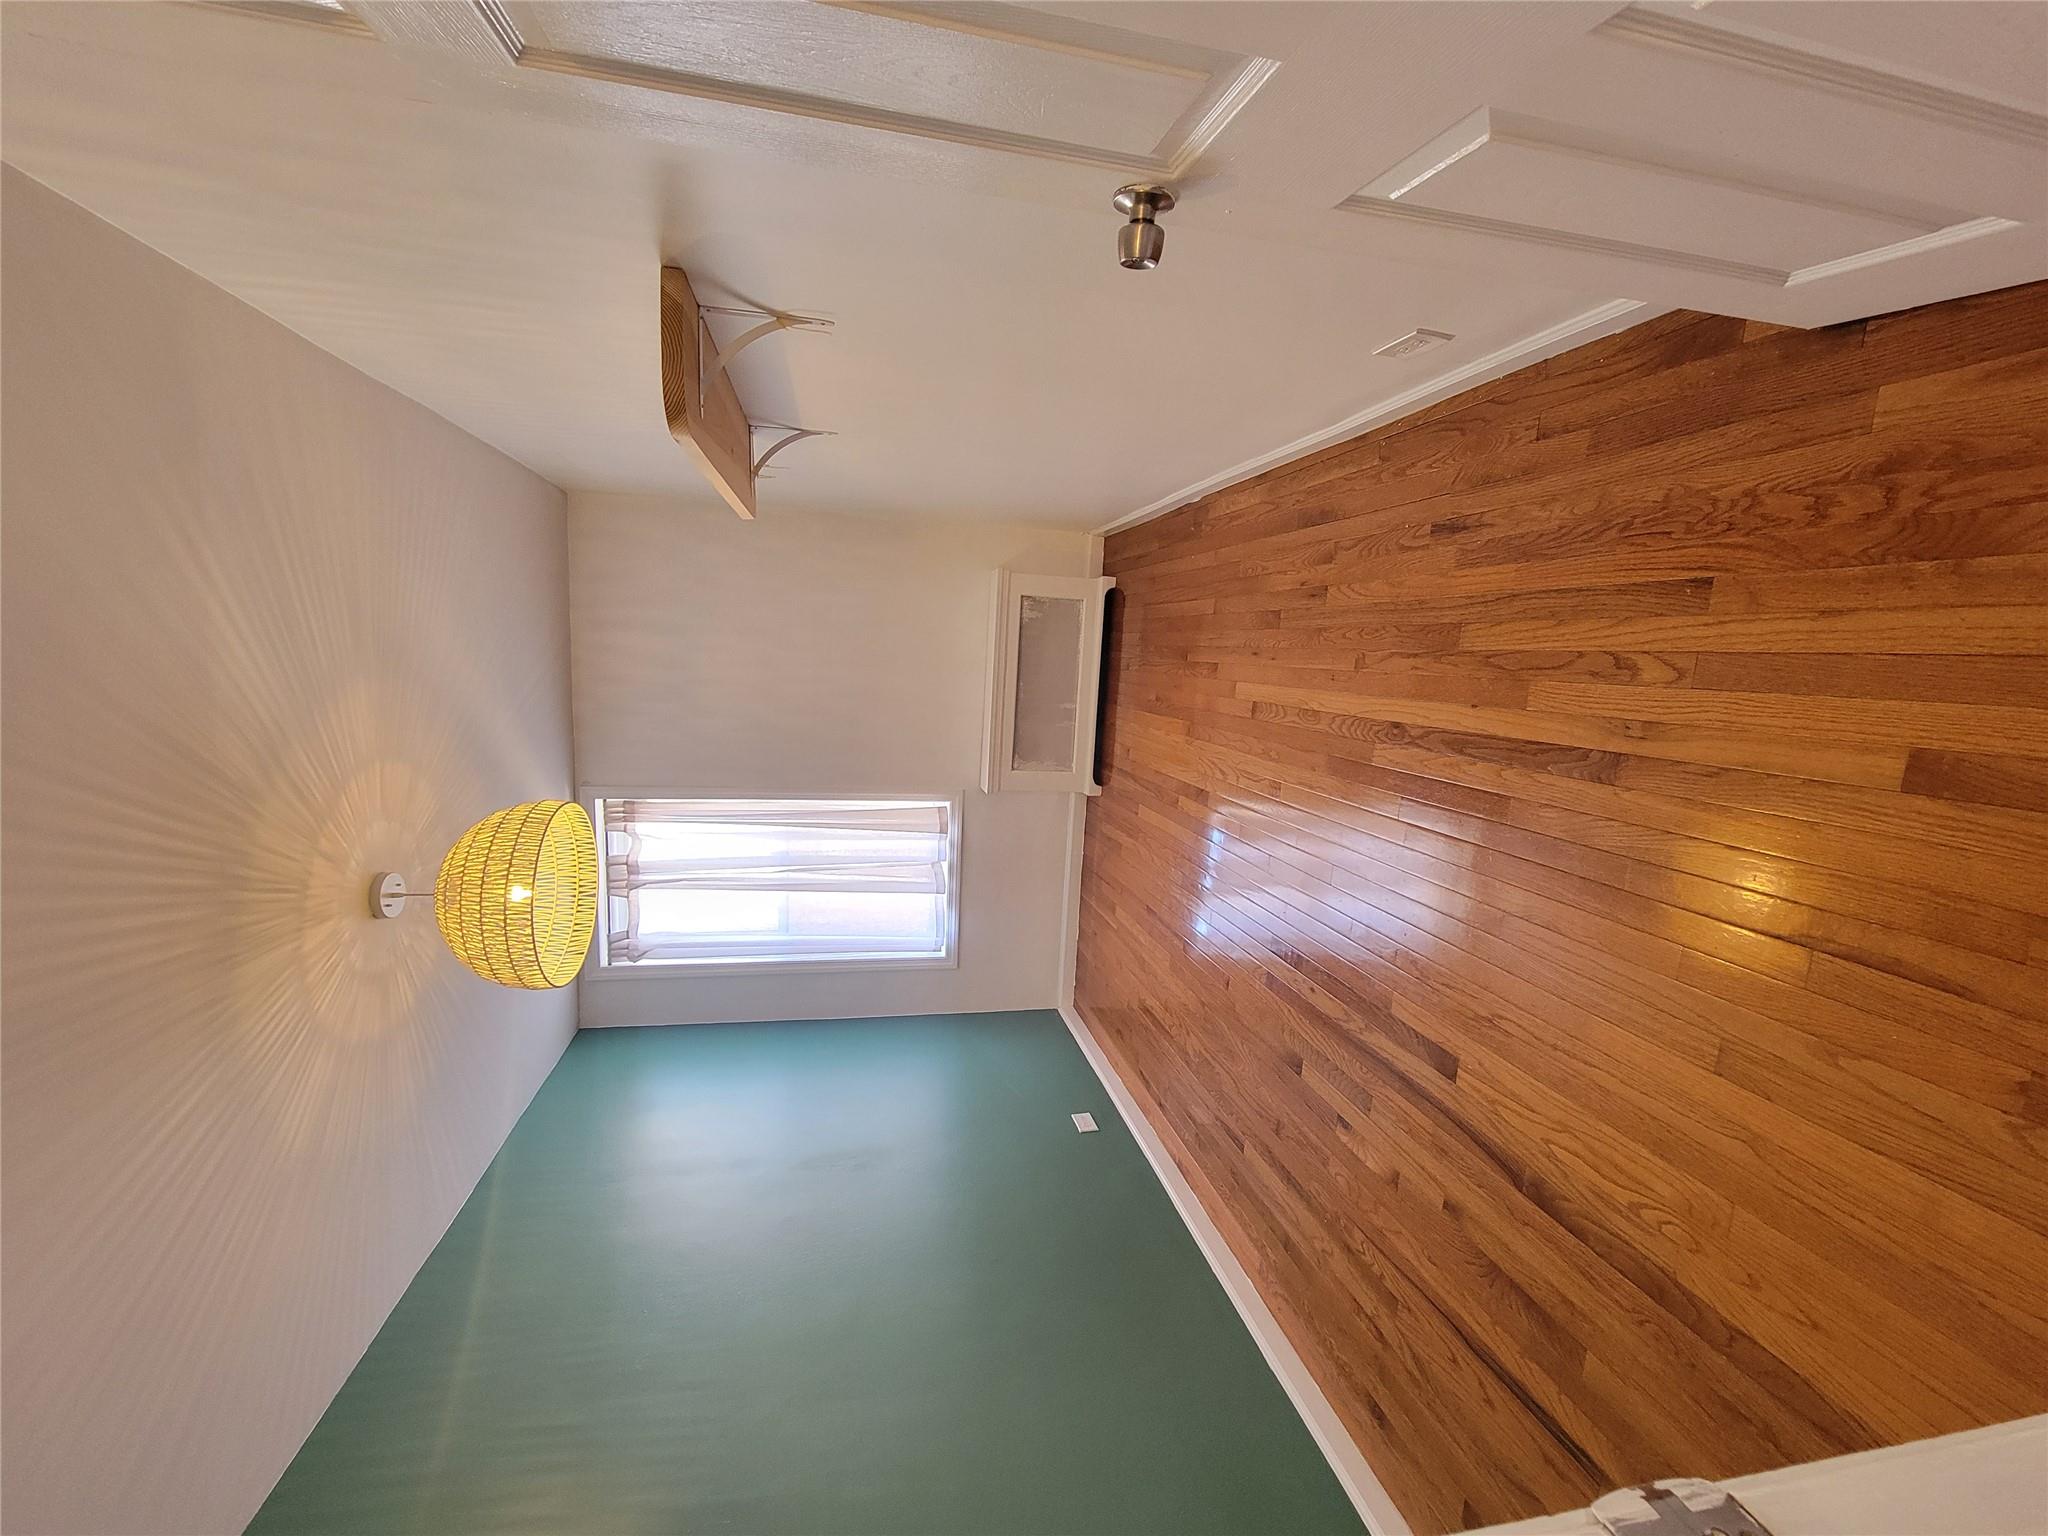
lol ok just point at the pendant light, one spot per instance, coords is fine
(516, 898)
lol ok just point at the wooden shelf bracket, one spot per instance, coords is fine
(702, 405)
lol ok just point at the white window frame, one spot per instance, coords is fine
(603, 968)
(999, 727)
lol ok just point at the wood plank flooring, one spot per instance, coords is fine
(1571, 885)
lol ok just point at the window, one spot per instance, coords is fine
(736, 884)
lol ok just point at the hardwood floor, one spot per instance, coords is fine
(1571, 884)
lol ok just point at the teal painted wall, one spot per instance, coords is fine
(818, 1277)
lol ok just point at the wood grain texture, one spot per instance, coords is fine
(709, 425)
(1571, 884)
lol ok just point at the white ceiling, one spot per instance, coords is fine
(469, 200)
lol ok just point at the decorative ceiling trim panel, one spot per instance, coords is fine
(974, 20)
(1490, 125)
(1562, 239)
(498, 22)
(1692, 261)
(337, 19)
(1933, 240)
(1227, 97)
(1384, 197)
(1231, 87)
(1654, 29)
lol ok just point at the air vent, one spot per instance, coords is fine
(1413, 342)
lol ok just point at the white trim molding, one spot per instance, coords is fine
(1564, 240)
(1665, 256)
(1933, 240)
(1368, 1496)
(1604, 320)
(1230, 81)
(1727, 43)
(1491, 125)
(337, 19)
(1918, 228)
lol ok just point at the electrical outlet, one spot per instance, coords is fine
(1413, 342)
(1084, 1122)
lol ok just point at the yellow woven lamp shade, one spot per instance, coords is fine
(517, 896)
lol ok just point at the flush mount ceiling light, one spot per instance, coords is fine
(516, 898)
(1140, 242)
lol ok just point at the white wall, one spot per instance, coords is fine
(268, 627)
(806, 655)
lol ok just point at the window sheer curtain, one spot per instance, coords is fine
(766, 880)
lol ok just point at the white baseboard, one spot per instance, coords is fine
(1367, 1495)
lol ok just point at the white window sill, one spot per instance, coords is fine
(670, 970)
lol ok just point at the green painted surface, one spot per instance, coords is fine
(821, 1277)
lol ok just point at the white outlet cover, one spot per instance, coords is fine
(1413, 342)
(1084, 1122)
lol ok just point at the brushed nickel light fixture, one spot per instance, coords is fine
(1140, 242)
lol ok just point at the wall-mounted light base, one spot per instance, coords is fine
(1140, 243)
(387, 895)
